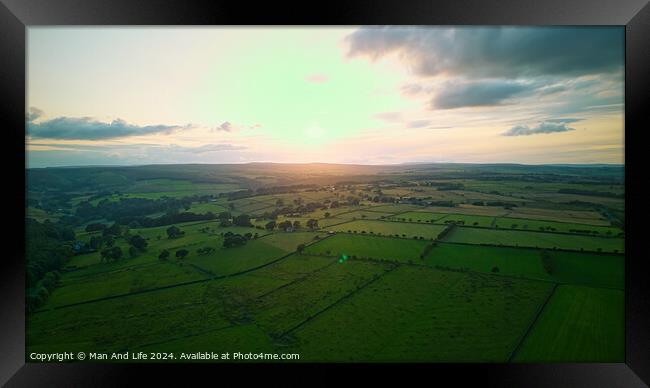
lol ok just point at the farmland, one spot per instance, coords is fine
(432, 263)
(574, 242)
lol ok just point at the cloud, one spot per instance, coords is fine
(317, 78)
(418, 123)
(205, 148)
(551, 89)
(489, 52)
(549, 126)
(478, 93)
(34, 114)
(225, 126)
(391, 117)
(564, 121)
(86, 128)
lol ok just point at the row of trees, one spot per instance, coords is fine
(289, 226)
(47, 249)
(547, 262)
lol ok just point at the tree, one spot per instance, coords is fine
(95, 242)
(224, 216)
(109, 241)
(174, 232)
(270, 225)
(312, 224)
(138, 242)
(116, 253)
(111, 254)
(285, 225)
(164, 255)
(547, 262)
(296, 225)
(181, 253)
(133, 251)
(327, 214)
(95, 226)
(205, 250)
(242, 220)
(233, 240)
(300, 248)
(113, 230)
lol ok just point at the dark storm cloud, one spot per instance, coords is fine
(86, 128)
(549, 126)
(479, 93)
(507, 52)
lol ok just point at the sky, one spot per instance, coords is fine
(358, 95)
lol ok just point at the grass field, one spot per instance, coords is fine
(387, 228)
(122, 323)
(571, 216)
(410, 311)
(364, 215)
(394, 209)
(524, 278)
(231, 339)
(281, 311)
(203, 208)
(383, 248)
(467, 209)
(76, 289)
(535, 239)
(591, 269)
(566, 227)
(468, 220)
(420, 216)
(227, 261)
(578, 324)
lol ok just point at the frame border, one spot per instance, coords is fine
(16, 16)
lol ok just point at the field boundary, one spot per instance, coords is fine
(183, 336)
(341, 299)
(494, 227)
(531, 324)
(191, 282)
(298, 279)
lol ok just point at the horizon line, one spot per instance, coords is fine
(340, 164)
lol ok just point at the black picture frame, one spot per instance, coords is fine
(17, 15)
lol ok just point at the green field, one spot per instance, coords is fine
(279, 312)
(578, 324)
(384, 248)
(598, 270)
(566, 227)
(364, 215)
(228, 261)
(467, 220)
(418, 216)
(521, 276)
(535, 239)
(411, 310)
(202, 208)
(75, 289)
(388, 228)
